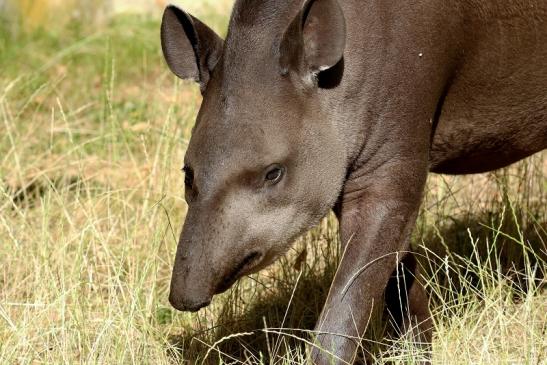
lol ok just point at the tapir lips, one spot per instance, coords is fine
(246, 266)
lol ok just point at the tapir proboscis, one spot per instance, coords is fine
(313, 105)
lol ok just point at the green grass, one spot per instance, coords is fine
(91, 204)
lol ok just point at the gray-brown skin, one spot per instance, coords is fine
(321, 104)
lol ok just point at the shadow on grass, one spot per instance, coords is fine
(506, 242)
(287, 297)
(253, 343)
(29, 194)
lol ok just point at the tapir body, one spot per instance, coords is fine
(347, 105)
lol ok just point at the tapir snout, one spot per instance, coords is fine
(179, 301)
(193, 287)
(202, 269)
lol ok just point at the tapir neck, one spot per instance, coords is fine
(387, 42)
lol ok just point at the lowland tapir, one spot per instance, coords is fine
(313, 105)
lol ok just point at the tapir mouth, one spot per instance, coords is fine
(244, 267)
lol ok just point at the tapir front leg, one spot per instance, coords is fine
(377, 214)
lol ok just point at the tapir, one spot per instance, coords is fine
(345, 105)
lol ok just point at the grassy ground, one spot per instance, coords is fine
(94, 128)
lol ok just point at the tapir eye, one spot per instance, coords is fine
(274, 174)
(188, 176)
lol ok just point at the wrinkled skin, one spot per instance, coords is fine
(320, 104)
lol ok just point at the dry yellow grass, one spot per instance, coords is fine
(94, 128)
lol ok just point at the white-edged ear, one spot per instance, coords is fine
(191, 48)
(315, 39)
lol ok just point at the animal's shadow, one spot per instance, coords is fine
(511, 243)
(295, 301)
(29, 194)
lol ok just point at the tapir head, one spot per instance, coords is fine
(266, 161)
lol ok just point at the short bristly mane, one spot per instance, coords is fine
(248, 18)
(249, 12)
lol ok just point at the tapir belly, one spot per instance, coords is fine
(485, 135)
(494, 111)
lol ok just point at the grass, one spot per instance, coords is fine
(94, 130)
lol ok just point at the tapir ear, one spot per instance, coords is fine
(190, 48)
(316, 38)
